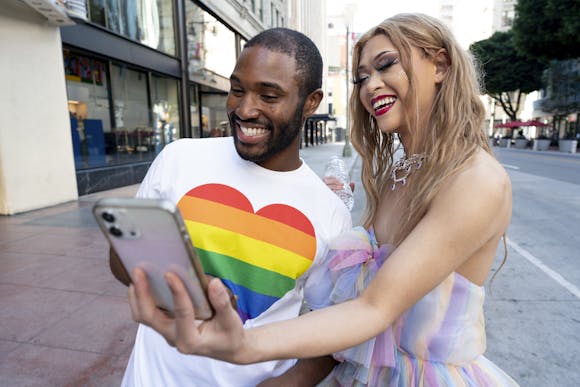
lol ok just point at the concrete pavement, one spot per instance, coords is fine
(64, 319)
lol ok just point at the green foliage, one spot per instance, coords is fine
(548, 29)
(504, 68)
(507, 73)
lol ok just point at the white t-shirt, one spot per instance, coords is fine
(260, 231)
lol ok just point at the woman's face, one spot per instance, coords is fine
(384, 85)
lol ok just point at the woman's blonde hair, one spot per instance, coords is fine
(454, 130)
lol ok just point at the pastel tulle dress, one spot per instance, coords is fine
(440, 341)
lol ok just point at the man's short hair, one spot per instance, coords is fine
(298, 46)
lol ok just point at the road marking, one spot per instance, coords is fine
(510, 166)
(551, 273)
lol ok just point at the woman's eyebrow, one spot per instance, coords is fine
(363, 67)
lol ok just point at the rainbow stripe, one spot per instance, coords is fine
(259, 255)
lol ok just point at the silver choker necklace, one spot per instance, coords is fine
(403, 167)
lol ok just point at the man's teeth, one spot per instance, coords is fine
(253, 131)
(384, 102)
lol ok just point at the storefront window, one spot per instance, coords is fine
(134, 128)
(133, 125)
(214, 115)
(148, 22)
(165, 107)
(211, 45)
(194, 111)
(88, 105)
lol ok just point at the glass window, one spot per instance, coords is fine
(148, 22)
(165, 108)
(211, 45)
(88, 105)
(133, 127)
(242, 44)
(194, 111)
(143, 118)
(214, 116)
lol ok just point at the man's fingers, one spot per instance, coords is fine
(184, 313)
(182, 305)
(143, 307)
(221, 300)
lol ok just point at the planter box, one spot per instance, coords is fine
(521, 143)
(542, 144)
(568, 146)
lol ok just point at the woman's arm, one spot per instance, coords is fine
(470, 212)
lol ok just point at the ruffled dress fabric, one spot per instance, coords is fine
(439, 341)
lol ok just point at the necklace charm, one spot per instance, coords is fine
(403, 167)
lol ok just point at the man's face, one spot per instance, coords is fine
(265, 109)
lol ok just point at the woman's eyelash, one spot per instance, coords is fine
(382, 66)
(385, 65)
(359, 80)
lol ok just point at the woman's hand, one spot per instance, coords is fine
(222, 337)
(335, 184)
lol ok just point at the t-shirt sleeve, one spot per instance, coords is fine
(151, 185)
(319, 284)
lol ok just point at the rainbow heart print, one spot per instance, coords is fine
(257, 254)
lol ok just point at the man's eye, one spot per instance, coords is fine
(236, 91)
(269, 98)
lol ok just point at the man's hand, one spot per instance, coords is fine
(222, 337)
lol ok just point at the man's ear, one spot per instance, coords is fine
(312, 101)
(442, 64)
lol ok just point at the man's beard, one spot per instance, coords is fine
(279, 140)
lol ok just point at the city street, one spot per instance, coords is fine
(533, 305)
(533, 310)
(65, 319)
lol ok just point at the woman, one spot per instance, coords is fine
(408, 288)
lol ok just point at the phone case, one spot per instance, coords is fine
(151, 234)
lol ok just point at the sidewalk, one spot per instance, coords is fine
(64, 319)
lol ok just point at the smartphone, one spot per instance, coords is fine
(151, 234)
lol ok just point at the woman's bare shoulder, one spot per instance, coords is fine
(482, 179)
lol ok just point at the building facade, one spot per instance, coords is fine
(92, 93)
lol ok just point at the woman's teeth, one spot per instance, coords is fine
(384, 102)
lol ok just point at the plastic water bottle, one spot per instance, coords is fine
(336, 167)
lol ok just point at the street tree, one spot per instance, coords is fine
(548, 29)
(508, 75)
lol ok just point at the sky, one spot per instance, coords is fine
(470, 25)
(366, 13)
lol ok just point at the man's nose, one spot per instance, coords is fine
(247, 108)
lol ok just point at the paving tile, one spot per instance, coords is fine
(60, 272)
(27, 311)
(103, 326)
(57, 244)
(12, 233)
(35, 365)
(6, 347)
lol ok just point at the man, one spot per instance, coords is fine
(258, 216)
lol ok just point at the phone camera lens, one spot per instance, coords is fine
(108, 217)
(116, 231)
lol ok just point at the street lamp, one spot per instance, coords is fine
(346, 150)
